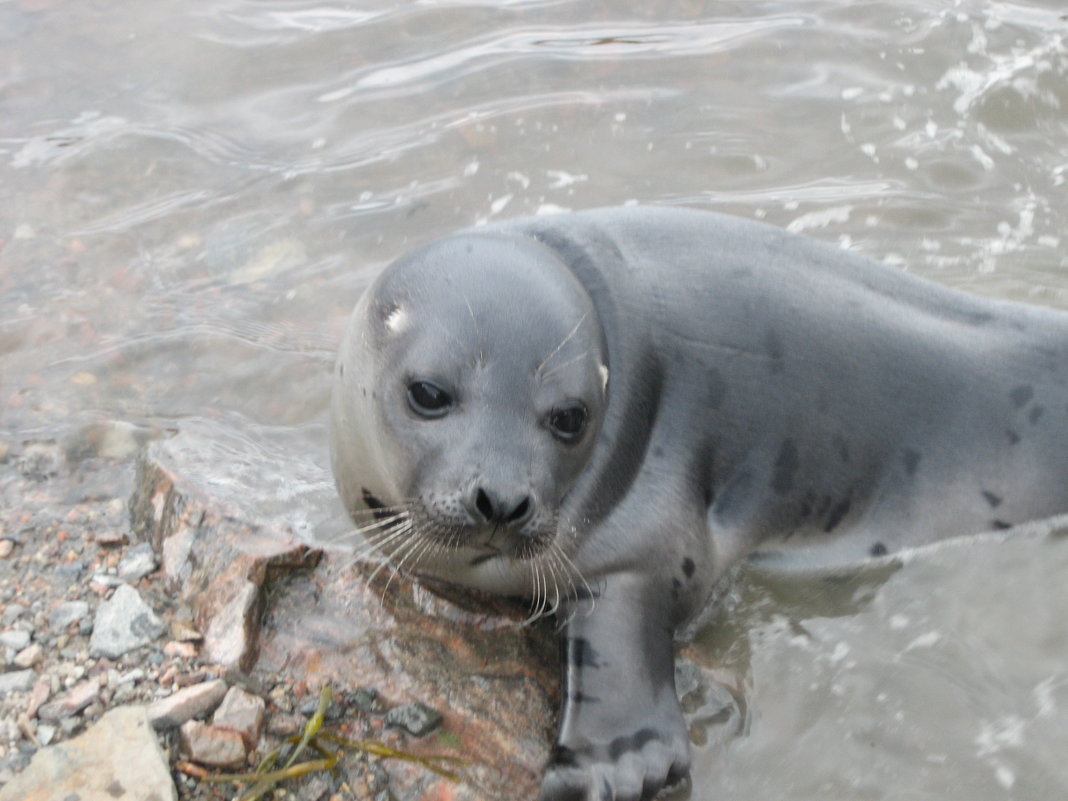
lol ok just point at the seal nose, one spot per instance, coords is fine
(488, 506)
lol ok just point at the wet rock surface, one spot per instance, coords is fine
(222, 626)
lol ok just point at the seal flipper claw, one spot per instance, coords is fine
(625, 751)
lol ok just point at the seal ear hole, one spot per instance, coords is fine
(428, 400)
(567, 422)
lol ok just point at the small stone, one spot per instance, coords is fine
(15, 640)
(38, 695)
(417, 719)
(28, 656)
(46, 733)
(18, 681)
(131, 676)
(6, 548)
(122, 623)
(285, 724)
(179, 650)
(70, 570)
(106, 580)
(12, 613)
(109, 536)
(139, 561)
(118, 758)
(40, 461)
(176, 709)
(243, 712)
(211, 745)
(364, 699)
(80, 696)
(67, 613)
(185, 632)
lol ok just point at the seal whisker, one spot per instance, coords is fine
(380, 540)
(536, 591)
(564, 365)
(563, 342)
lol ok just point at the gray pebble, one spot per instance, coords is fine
(17, 681)
(16, 640)
(46, 733)
(70, 570)
(106, 580)
(67, 613)
(122, 623)
(415, 718)
(138, 562)
(12, 613)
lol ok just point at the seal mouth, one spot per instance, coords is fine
(416, 541)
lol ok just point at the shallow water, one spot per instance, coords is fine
(193, 194)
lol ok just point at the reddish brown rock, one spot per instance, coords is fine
(216, 558)
(213, 746)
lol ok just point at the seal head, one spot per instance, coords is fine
(470, 389)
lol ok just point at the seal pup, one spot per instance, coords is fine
(603, 411)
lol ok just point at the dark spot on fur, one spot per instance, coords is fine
(625, 745)
(912, 460)
(878, 549)
(1014, 438)
(580, 653)
(992, 498)
(774, 348)
(378, 509)
(786, 464)
(807, 504)
(1021, 395)
(838, 513)
(843, 448)
(340, 369)
(582, 698)
(563, 757)
(688, 567)
(1035, 414)
(1000, 524)
(658, 452)
(676, 588)
(115, 790)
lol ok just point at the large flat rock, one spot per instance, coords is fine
(118, 759)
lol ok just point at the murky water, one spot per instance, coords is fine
(194, 192)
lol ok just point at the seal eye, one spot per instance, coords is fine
(428, 400)
(568, 421)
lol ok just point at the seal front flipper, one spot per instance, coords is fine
(622, 735)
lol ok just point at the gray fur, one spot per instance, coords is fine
(767, 396)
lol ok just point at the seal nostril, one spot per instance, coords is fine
(484, 505)
(520, 511)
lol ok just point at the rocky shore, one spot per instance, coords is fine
(152, 633)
